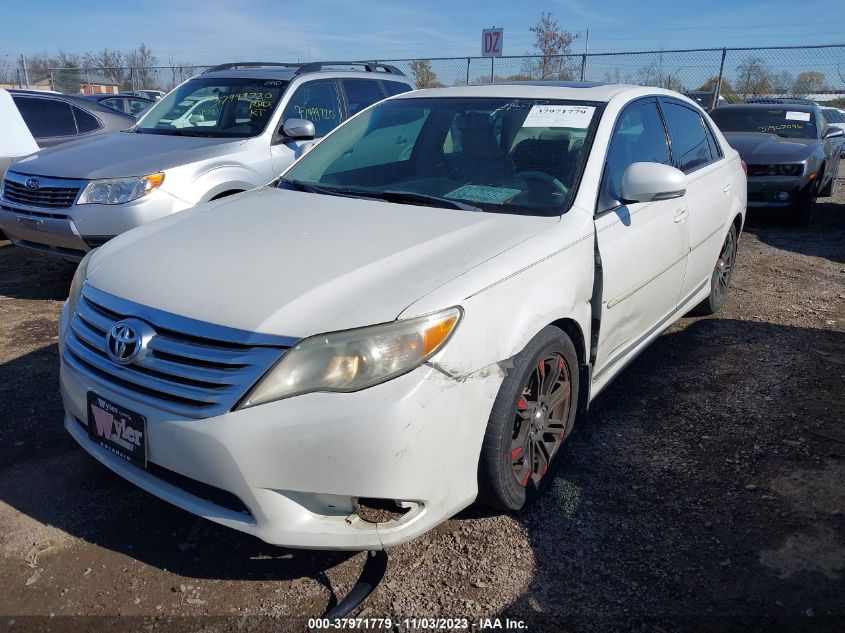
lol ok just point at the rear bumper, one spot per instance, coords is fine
(71, 232)
(299, 465)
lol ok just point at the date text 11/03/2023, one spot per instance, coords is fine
(418, 624)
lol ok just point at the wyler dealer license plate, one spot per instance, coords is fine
(117, 429)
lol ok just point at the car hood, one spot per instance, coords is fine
(122, 154)
(755, 148)
(296, 264)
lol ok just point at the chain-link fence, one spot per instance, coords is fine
(714, 74)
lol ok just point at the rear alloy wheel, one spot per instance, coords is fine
(531, 419)
(720, 280)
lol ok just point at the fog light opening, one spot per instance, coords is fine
(783, 196)
(374, 510)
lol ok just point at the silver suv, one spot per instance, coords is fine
(232, 128)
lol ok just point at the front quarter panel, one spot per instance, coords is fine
(510, 298)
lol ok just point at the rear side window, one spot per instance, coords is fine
(85, 122)
(361, 93)
(639, 137)
(395, 88)
(690, 143)
(318, 102)
(46, 117)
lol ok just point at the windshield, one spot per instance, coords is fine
(771, 120)
(215, 107)
(500, 155)
(833, 115)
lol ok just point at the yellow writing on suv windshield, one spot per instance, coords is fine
(780, 127)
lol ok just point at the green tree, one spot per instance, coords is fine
(424, 75)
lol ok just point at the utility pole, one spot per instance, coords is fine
(25, 72)
(584, 56)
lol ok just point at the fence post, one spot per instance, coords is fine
(492, 59)
(468, 60)
(719, 80)
(18, 76)
(583, 65)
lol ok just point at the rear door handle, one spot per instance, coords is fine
(681, 216)
(726, 188)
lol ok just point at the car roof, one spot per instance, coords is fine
(569, 90)
(288, 74)
(795, 107)
(78, 100)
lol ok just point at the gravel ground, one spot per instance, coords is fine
(705, 492)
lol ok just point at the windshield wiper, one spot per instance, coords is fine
(420, 198)
(301, 186)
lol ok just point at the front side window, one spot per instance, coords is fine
(769, 119)
(639, 137)
(318, 102)
(215, 107)
(46, 117)
(501, 155)
(689, 138)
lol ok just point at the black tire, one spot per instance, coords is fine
(720, 280)
(828, 190)
(803, 214)
(523, 417)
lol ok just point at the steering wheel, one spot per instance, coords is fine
(547, 179)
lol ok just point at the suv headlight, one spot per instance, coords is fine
(76, 285)
(120, 190)
(355, 359)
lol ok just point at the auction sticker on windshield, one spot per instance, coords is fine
(559, 116)
(120, 431)
(797, 116)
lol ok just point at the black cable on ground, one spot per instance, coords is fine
(374, 568)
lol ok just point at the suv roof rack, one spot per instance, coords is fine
(233, 65)
(309, 67)
(370, 67)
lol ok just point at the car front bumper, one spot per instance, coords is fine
(300, 465)
(71, 232)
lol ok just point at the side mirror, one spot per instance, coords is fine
(298, 130)
(646, 182)
(834, 132)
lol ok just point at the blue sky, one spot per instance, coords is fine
(212, 31)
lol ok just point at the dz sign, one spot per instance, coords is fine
(491, 42)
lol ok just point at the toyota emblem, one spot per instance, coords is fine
(32, 183)
(125, 341)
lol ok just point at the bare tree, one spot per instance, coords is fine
(108, 63)
(753, 77)
(553, 43)
(141, 62)
(809, 82)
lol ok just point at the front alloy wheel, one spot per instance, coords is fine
(532, 417)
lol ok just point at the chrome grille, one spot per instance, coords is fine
(193, 369)
(50, 197)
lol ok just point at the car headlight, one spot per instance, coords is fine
(76, 285)
(120, 190)
(354, 359)
(791, 170)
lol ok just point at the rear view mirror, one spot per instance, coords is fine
(647, 182)
(298, 130)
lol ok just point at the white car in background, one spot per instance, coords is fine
(414, 317)
(230, 129)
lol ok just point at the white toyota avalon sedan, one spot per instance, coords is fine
(411, 318)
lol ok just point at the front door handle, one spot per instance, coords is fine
(726, 188)
(681, 216)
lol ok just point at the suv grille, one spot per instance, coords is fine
(185, 370)
(49, 194)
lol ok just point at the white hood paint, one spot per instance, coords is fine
(297, 264)
(15, 137)
(123, 155)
